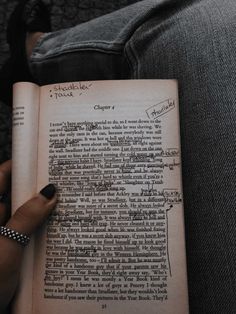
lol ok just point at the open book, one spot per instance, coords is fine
(115, 242)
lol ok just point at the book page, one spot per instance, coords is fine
(115, 243)
(24, 176)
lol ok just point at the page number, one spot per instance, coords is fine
(104, 306)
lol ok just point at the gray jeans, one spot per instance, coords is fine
(194, 42)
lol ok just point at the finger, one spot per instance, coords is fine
(5, 174)
(33, 213)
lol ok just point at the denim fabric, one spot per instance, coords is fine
(194, 42)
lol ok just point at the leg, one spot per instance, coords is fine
(93, 50)
(194, 43)
(197, 46)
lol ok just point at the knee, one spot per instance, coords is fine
(195, 35)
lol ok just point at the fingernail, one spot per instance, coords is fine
(48, 191)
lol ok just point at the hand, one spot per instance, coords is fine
(25, 220)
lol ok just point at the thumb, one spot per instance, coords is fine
(33, 213)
